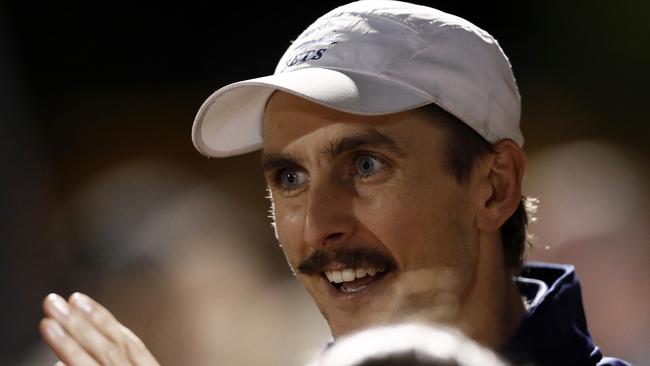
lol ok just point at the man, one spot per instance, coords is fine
(392, 151)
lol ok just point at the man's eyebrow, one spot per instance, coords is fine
(367, 138)
(274, 161)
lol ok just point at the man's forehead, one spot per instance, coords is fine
(288, 110)
(289, 118)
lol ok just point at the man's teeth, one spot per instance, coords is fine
(350, 274)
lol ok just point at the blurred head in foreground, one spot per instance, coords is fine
(407, 345)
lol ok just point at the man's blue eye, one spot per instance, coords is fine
(367, 165)
(292, 179)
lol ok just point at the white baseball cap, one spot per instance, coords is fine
(374, 57)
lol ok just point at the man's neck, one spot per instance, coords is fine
(493, 309)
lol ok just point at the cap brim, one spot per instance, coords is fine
(230, 121)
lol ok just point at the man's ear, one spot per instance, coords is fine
(499, 177)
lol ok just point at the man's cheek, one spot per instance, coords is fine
(388, 218)
(288, 231)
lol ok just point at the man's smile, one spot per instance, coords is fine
(348, 270)
(352, 280)
(349, 283)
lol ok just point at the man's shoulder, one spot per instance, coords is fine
(554, 329)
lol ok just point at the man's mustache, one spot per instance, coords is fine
(351, 257)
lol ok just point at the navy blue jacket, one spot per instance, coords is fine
(554, 330)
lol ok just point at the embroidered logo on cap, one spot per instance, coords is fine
(307, 55)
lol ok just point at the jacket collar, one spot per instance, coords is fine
(554, 329)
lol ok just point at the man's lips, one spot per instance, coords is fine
(350, 274)
(348, 269)
(351, 280)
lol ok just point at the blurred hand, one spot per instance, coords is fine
(83, 333)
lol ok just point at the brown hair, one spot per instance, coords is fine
(463, 148)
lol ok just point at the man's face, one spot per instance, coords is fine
(373, 226)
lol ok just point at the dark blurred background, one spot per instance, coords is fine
(102, 191)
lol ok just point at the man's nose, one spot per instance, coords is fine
(329, 216)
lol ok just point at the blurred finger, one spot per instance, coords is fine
(84, 332)
(59, 363)
(99, 316)
(65, 347)
(110, 327)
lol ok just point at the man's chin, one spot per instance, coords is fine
(416, 296)
(356, 306)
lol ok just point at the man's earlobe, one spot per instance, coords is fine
(504, 173)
